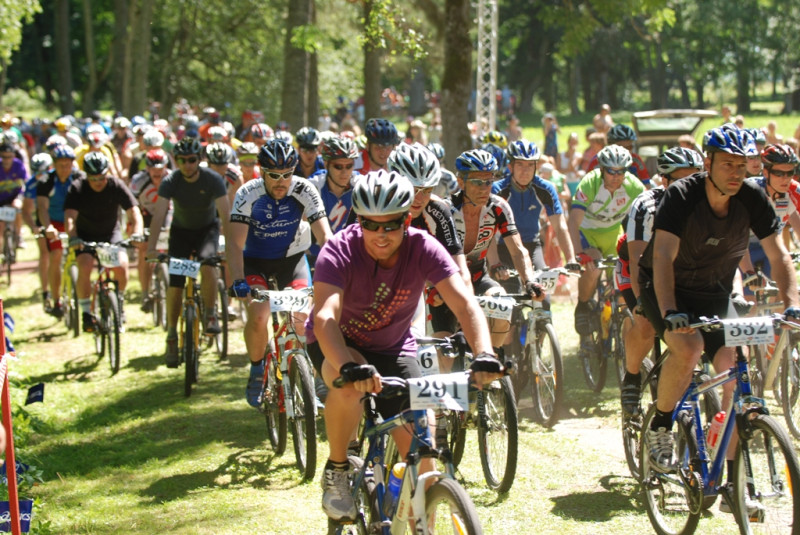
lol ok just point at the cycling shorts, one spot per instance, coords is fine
(201, 243)
(443, 319)
(55, 244)
(604, 240)
(387, 366)
(289, 272)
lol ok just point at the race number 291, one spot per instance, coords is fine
(444, 391)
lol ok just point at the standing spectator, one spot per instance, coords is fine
(771, 133)
(551, 131)
(603, 122)
(514, 132)
(726, 115)
(597, 140)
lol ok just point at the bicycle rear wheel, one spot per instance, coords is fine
(548, 373)
(189, 349)
(498, 434)
(111, 329)
(304, 423)
(457, 435)
(449, 509)
(100, 333)
(632, 427)
(221, 339)
(790, 385)
(617, 343)
(764, 499)
(158, 288)
(594, 364)
(667, 499)
(271, 400)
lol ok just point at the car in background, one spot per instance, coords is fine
(659, 130)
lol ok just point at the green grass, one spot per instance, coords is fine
(130, 454)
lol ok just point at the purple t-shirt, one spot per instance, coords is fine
(12, 182)
(378, 304)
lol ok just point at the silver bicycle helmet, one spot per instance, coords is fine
(679, 158)
(615, 156)
(382, 193)
(416, 163)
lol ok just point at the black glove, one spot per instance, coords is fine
(459, 343)
(485, 362)
(533, 289)
(676, 320)
(352, 372)
(574, 267)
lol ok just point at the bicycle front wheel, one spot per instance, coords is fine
(304, 423)
(69, 296)
(271, 400)
(548, 370)
(618, 345)
(100, 333)
(667, 499)
(111, 328)
(497, 434)
(593, 362)
(449, 509)
(158, 287)
(632, 427)
(189, 350)
(457, 435)
(221, 340)
(764, 499)
(790, 385)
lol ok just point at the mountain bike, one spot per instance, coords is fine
(288, 397)
(536, 352)
(190, 327)
(106, 301)
(765, 469)
(609, 315)
(8, 215)
(159, 282)
(492, 411)
(432, 502)
(69, 287)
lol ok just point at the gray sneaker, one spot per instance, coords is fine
(337, 502)
(662, 450)
(629, 396)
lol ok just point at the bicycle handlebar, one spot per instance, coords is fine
(215, 260)
(263, 295)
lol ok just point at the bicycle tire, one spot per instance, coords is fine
(189, 349)
(9, 251)
(275, 418)
(112, 330)
(632, 427)
(460, 513)
(99, 311)
(158, 287)
(69, 296)
(618, 350)
(774, 475)
(457, 435)
(221, 339)
(498, 434)
(547, 387)
(757, 369)
(594, 365)
(790, 386)
(304, 424)
(665, 497)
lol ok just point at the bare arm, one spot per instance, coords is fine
(321, 230)
(159, 215)
(70, 216)
(563, 235)
(234, 246)
(223, 212)
(635, 250)
(574, 224)
(136, 216)
(665, 250)
(520, 257)
(782, 269)
(467, 311)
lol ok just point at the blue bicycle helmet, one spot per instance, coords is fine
(522, 149)
(758, 135)
(476, 160)
(277, 154)
(731, 139)
(498, 153)
(63, 151)
(381, 132)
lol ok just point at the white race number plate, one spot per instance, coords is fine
(496, 306)
(428, 359)
(445, 391)
(184, 267)
(748, 331)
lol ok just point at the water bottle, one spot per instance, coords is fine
(393, 489)
(605, 318)
(713, 431)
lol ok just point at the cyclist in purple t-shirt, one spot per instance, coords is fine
(367, 284)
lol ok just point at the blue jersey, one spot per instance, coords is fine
(319, 165)
(56, 191)
(337, 208)
(277, 228)
(527, 204)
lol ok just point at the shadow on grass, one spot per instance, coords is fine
(76, 369)
(621, 495)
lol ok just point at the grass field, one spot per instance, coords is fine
(130, 454)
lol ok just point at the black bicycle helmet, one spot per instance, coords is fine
(778, 154)
(307, 138)
(621, 132)
(95, 163)
(381, 132)
(187, 146)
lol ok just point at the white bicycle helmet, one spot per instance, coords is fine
(416, 163)
(679, 158)
(614, 156)
(41, 162)
(382, 193)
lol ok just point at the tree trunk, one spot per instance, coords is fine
(312, 104)
(572, 87)
(416, 94)
(686, 100)
(456, 80)
(372, 73)
(699, 88)
(91, 59)
(3, 67)
(140, 61)
(742, 87)
(120, 45)
(63, 60)
(295, 67)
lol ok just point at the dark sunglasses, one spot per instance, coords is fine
(388, 226)
(190, 159)
(277, 176)
(782, 174)
(342, 167)
(611, 171)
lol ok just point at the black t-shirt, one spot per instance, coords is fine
(98, 210)
(193, 202)
(711, 247)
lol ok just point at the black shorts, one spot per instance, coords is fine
(387, 366)
(201, 243)
(694, 305)
(289, 272)
(443, 319)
